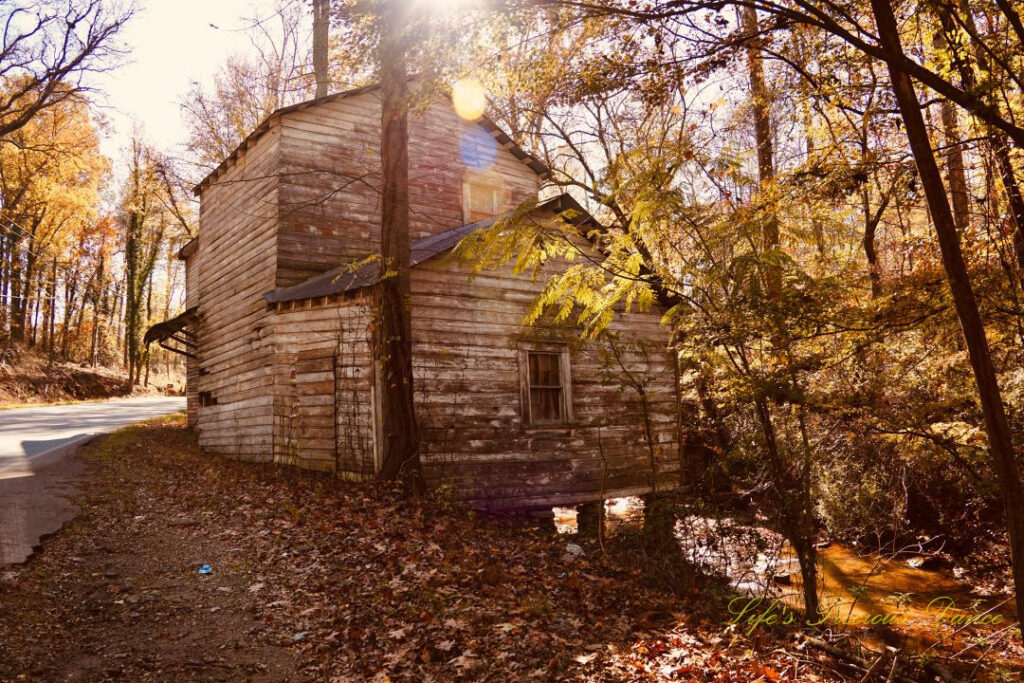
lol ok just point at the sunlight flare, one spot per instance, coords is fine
(469, 98)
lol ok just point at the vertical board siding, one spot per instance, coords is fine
(305, 338)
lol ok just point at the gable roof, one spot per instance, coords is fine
(502, 138)
(344, 279)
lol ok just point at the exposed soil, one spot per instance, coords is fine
(27, 377)
(314, 579)
(317, 580)
(116, 594)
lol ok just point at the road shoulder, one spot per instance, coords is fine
(117, 592)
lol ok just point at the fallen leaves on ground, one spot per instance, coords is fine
(315, 579)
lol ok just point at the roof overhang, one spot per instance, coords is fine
(176, 330)
(266, 124)
(190, 248)
(347, 279)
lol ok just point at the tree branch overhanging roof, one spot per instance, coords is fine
(346, 279)
(499, 135)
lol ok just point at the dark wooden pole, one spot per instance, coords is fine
(1004, 460)
(400, 459)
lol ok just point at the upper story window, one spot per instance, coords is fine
(547, 398)
(481, 201)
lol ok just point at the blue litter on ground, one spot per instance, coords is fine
(205, 569)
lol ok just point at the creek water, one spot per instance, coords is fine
(882, 597)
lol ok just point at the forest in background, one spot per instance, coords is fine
(87, 243)
(759, 170)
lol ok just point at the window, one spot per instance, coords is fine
(546, 386)
(480, 201)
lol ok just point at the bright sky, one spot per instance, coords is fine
(171, 43)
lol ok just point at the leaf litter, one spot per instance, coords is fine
(318, 579)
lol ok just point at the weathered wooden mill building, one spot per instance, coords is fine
(278, 323)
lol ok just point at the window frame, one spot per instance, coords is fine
(525, 349)
(496, 199)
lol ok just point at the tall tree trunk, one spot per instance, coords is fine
(796, 516)
(400, 443)
(793, 504)
(24, 280)
(760, 101)
(36, 290)
(95, 340)
(51, 311)
(321, 32)
(168, 293)
(17, 291)
(1004, 461)
(1000, 147)
(870, 252)
(5, 321)
(149, 316)
(955, 166)
(99, 297)
(998, 143)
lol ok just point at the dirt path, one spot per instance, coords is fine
(317, 580)
(117, 594)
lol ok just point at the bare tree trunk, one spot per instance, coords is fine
(955, 166)
(870, 253)
(1004, 461)
(763, 138)
(17, 289)
(35, 289)
(149, 316)
(871, 221)
(114, 320)
(998, 143)
(168, 293)
(792, 500)
(5, 327)
(23, 281)
(51, 311)
(95, 341)
(321, 26)
(400, 444)
(794, 509)
(1001, 150)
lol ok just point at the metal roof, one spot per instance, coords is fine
(345, 279)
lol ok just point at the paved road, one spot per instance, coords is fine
(36, 477)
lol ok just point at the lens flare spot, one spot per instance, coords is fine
(478, 148)
(469, 98)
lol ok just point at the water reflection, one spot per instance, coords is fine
(758, 562)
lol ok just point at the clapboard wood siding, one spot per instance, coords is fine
(295, 382)
(466, 364)
(467, 337)
(330, 176)
(191, 363)
(234, 264)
